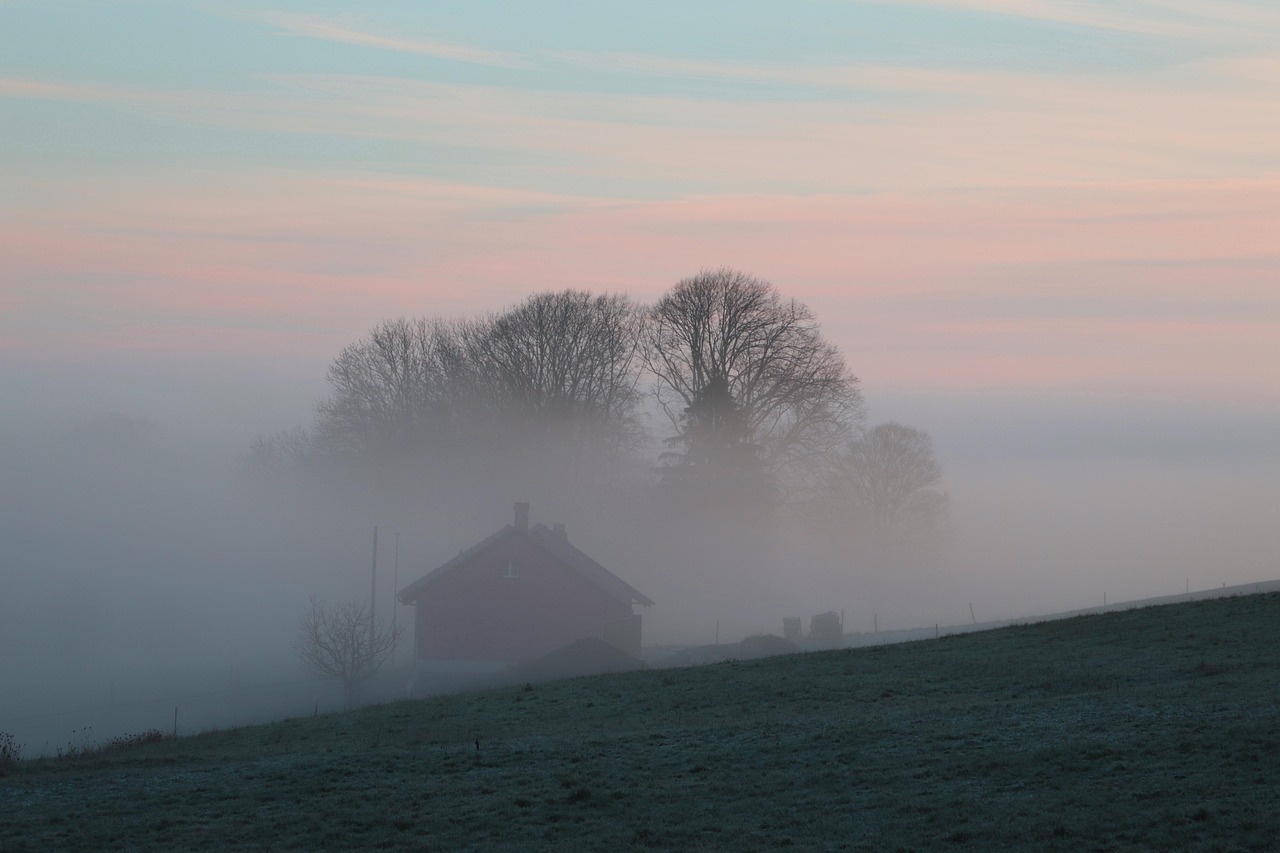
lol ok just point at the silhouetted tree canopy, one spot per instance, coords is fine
(761, 409)
(402, 388)
(755, 396)
(714, 458)
(564, 361)
(558, 364)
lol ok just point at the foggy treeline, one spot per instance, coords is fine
(720, 405)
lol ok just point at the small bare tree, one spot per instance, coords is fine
(343, 641)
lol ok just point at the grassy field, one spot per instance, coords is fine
(1150, 729)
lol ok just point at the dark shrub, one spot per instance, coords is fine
(10, 753)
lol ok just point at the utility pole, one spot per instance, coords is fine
(395, 588)
(373, 593)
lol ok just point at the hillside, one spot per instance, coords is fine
(1147, 729)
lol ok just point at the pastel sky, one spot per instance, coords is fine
(971, 194)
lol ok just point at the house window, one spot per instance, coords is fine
(509, 570)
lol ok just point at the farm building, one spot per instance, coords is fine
(519, 594)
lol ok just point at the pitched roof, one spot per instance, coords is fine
(549, 541)
(597, 574)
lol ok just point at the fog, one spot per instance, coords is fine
(146, 563)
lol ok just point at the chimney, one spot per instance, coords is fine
(560, 533)
(522, 516)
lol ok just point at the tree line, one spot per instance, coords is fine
(724, 391)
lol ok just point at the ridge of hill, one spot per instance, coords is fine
(1154, 728)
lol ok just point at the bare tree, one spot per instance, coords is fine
(566, 362)
(563, 362)
(743, 370)
(395, 390)
(885, 486)
(280, 450)
(343, 641)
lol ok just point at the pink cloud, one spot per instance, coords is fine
(1180, 18)
(1207, 121)
(337, 30)
(1129, 285)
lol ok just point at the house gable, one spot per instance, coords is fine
(519, 593)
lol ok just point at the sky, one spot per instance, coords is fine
(973, 195)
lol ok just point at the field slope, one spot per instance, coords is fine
(1148, 729)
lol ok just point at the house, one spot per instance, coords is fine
(521, 593)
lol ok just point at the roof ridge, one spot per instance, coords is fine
(465, 554)
(573, 557)
(553, 542)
